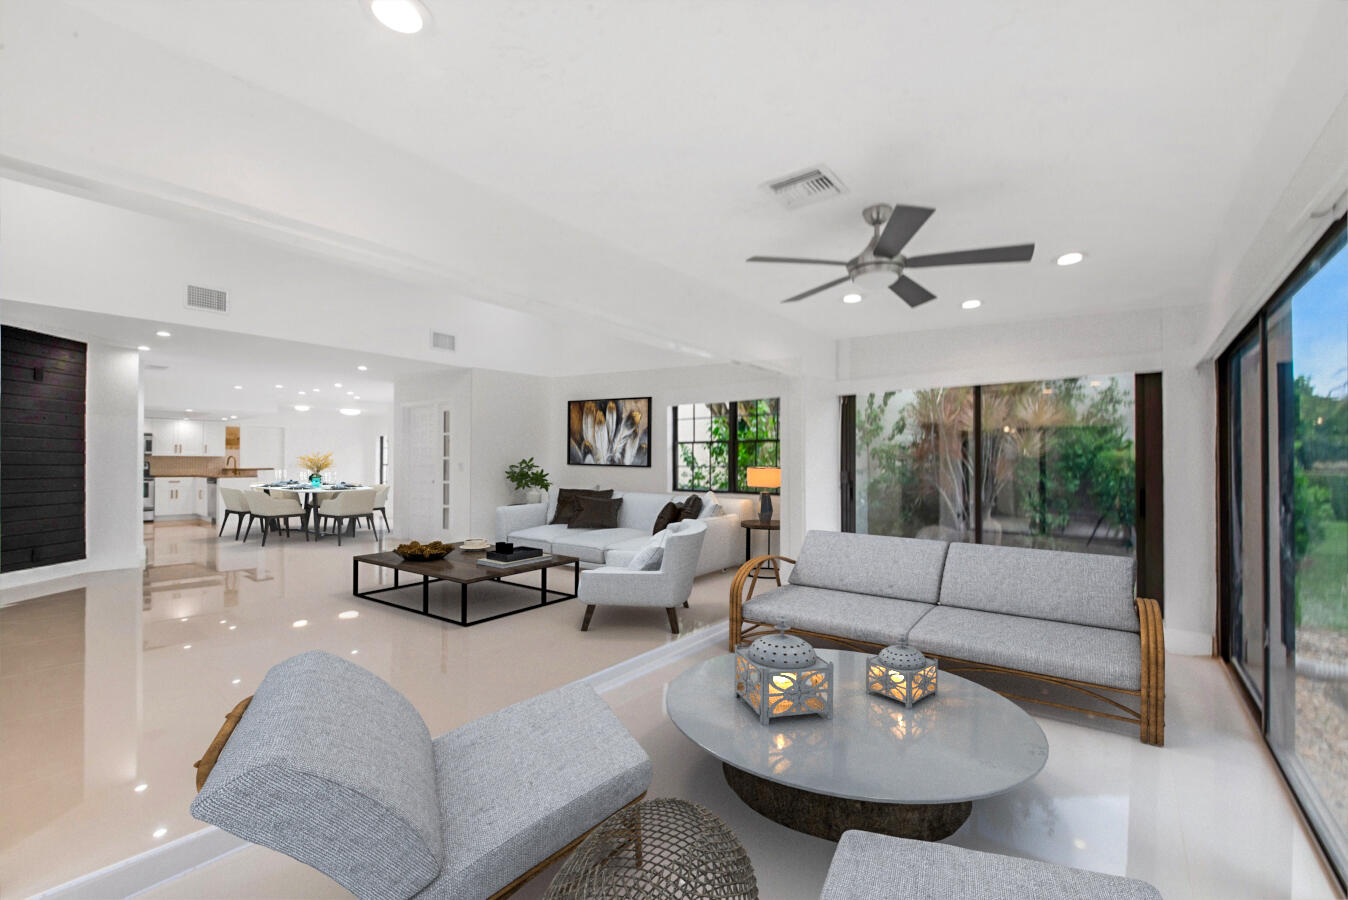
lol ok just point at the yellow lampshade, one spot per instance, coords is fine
(764, 477)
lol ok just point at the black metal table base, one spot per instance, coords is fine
(462, 620)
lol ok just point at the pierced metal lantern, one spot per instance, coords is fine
(781, 675)
(901, 673)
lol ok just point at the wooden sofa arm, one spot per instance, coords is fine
(1152, 634)
(737, 593)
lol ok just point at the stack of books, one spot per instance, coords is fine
(514, 558)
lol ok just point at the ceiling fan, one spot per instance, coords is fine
(881, 264)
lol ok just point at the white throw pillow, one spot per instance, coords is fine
(649, 557)
(710, 506)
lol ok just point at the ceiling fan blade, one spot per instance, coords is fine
(1014, 253)
(903, 223)
(911, 292)
(796, 259)
(822, 287)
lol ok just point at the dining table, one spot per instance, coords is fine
(307, 490)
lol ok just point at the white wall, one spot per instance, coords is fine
(352, 440)
(510, 423)
(113, 459)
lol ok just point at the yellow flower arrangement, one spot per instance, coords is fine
(315, 463)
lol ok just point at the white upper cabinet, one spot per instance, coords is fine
(189, 438)
(213, 439)
(163, 436)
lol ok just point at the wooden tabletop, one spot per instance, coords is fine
(756, 525)
(461, 565)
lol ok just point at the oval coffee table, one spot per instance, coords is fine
(875, 765)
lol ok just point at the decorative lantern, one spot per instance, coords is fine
(781, 675)
(901, 673)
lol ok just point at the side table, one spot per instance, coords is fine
(752, 525)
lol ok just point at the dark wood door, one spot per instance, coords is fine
(42, 396)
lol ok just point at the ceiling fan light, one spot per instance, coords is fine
(876, 276)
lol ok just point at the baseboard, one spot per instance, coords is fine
(1188, 643)
(139, 873)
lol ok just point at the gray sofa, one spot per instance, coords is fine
(878, 867)
(1067, 618)
(527, 525)
(332, 766)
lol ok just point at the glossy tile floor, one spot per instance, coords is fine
(113, 685)
(99, 696)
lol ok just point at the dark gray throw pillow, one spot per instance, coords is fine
(596, 512)
(566, 503)
(691, 508)
(670, 513)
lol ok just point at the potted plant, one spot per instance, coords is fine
(529, 480)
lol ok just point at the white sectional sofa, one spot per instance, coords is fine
(527, 525)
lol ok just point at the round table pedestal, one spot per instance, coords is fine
(828, 817)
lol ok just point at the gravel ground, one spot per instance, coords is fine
(1322, 719)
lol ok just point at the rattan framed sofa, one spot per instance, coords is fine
(1069, 619)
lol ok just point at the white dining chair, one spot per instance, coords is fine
(347, 506)
(381, 502)
(275, 514)
(235, 504)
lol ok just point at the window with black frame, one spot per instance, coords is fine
(1283, 409)
(716, 443)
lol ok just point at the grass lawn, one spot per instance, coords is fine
(1322, 580)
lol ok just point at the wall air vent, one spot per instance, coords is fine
(442, 341)
(153, 367)
(806, 187)
(207, 299)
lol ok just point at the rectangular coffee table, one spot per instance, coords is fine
(461, 568)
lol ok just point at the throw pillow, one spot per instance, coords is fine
(670, 513)
(596, 512)
(649, 557)
(690, 507)
(710, 506)
(566, 503)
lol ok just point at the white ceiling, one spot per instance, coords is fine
(1122, 130)
(197, 368)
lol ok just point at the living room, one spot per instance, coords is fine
(1141, 375)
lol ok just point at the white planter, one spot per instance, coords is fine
(535, 495)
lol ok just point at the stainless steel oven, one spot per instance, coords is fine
(147, 499)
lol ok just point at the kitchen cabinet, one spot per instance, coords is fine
(182, 437)
(181, 497)
(213, 439)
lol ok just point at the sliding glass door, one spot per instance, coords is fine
(1285, 529)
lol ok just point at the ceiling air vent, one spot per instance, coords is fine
(806, 187)
(442, 341)
(207, 299)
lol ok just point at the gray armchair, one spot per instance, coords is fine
(669, 586)
(330, 765)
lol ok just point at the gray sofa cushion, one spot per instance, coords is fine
(878, 867)
(902, 568)
(1104, 656)
(520, 784)
(332, 766)
(1083, 588)
(589, 544)
(880, 620)
(539, 536)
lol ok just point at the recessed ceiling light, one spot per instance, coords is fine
(348, 614)
(163, 334)
(238, 387)
(362, 368)
(236, 681)
(1071, 259)
(299, 623)
(279, 386)
(224, 418)
(143, 349)
(300, 407)
(354, 652)
(302, 393)
(351, 393)
(337, 384)
(223, 621)
(140, 788)
(159, 832)
(355, 397)
(233, 417)
(349, 412)
(317, 391)
(851, 298)
(971, 304)
(402, 16)
(187, 410)
(232, 627)
(187, 646)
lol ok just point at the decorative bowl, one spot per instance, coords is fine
(419, 552)
(476, 544)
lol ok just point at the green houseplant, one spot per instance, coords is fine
(528, 479)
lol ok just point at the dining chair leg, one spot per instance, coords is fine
(265, 529)
(239, 526)
(250, 528)
(341, 526)
(384, 512)
(224, 520)
(373, 527)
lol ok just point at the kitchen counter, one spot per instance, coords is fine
(197, 467)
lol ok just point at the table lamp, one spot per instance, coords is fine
(769, 477)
